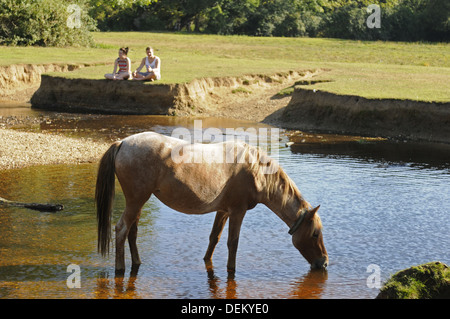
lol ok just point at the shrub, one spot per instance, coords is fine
(45, 23)
(347, 22)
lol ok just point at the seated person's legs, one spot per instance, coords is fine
(144, 76)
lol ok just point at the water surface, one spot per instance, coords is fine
(384, 203)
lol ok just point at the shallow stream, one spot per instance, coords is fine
(382, 203)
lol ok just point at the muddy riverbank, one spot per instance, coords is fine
(255, 98)
(347, 114)
(18, 82)
(251, 97)
(24, 140)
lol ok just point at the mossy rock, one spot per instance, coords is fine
(426, 281)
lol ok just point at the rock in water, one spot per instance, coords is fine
(426, 281)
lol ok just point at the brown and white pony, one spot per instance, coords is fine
(189, 178)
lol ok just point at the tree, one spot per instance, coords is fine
(436, 17)
(230, 17)
(45, 23)
(118, 14)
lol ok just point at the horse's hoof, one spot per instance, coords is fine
(134, 269)
(231, 273)
(119, 272)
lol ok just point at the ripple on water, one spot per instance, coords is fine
(387, 210)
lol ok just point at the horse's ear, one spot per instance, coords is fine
(312, 212)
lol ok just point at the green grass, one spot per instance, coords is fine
(387, 81)
(241, 90)
(417, 71)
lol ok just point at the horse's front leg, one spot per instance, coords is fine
(219, 223)
(234, 228)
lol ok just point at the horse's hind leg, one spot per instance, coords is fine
(127, 227)
(132, 236)
(121, 235)
(219, 223)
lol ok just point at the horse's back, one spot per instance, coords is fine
(144, 146)
(150, 161)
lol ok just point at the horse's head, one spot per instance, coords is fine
(307, 238)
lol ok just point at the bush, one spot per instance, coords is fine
(405, 23)
(149, 21)
(415, 20)
(312, 22)
(45, 23)
(230, 17)
(436, 19)
(347, 22)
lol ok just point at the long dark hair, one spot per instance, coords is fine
(124, 50)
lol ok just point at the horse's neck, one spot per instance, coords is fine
(285, 206)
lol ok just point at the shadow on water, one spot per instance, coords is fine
(384, 152)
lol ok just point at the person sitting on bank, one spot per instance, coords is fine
(152, 65)
(124, 65)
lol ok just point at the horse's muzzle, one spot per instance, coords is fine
(320, 263)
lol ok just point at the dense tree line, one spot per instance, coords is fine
(68, 22)
(405, 20)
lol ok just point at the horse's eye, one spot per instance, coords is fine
(315, 234)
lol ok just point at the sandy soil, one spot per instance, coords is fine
(260, 105)
(19, 149)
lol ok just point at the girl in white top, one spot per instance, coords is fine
(153, 66)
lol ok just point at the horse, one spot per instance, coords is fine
(188, 178)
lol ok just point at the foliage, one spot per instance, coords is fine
(45, 23)
(116, 15)
(406, 20)
(426, 281)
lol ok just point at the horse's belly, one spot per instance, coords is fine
(193, 188)
(187, 204)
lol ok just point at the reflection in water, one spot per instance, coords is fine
(381, 203)
(118, 287)
(113, 127)
(311, 285)
(383, 152)
(214, 284)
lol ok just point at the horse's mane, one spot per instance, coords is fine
(270, 174)
(280, 177)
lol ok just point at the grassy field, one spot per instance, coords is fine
(417, 71)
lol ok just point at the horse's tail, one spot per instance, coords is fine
(104, 197)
